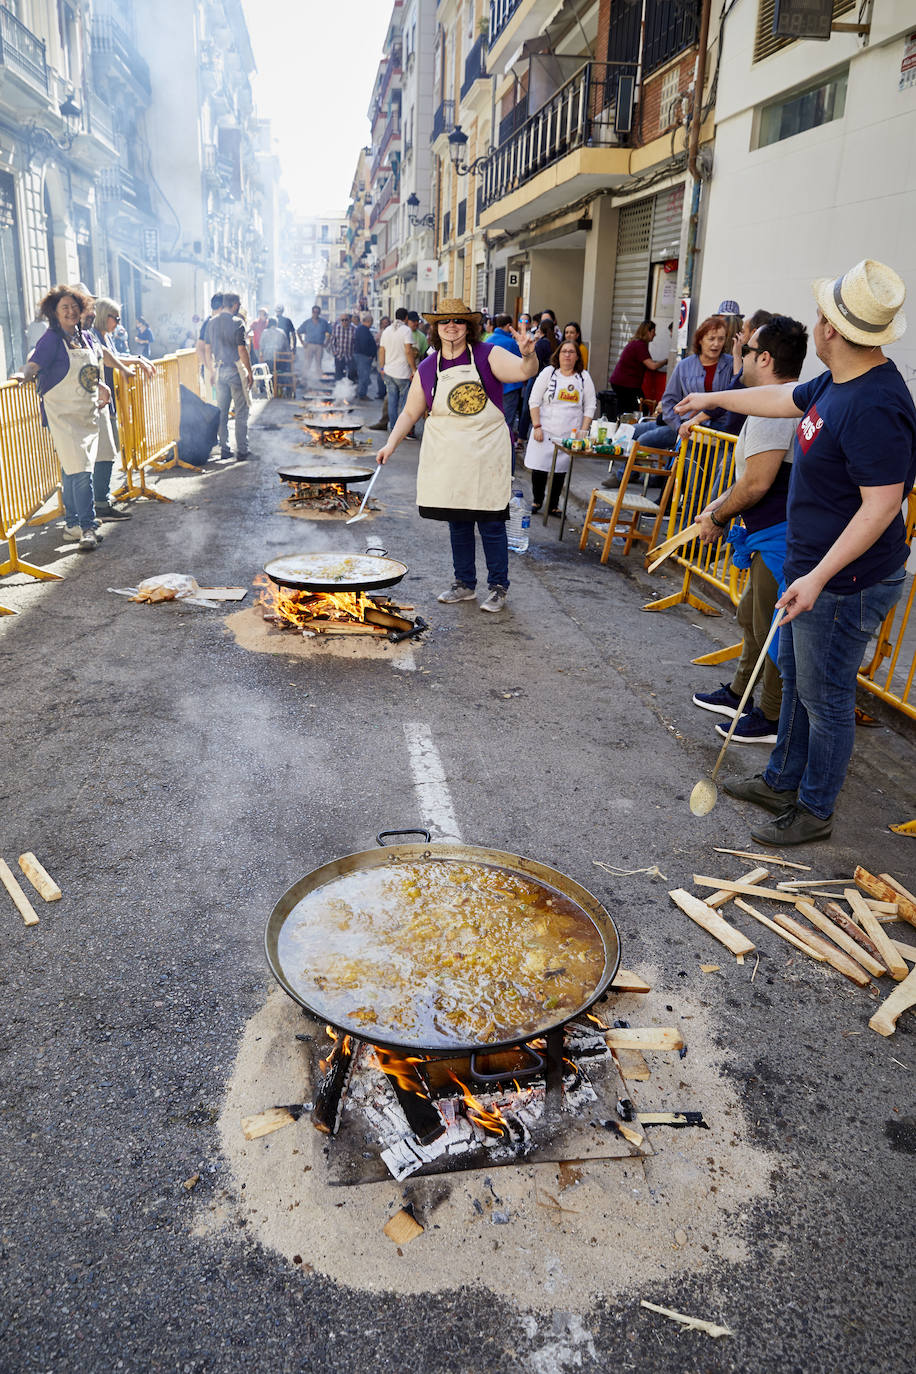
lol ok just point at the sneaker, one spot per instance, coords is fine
(88, 541)
(611, 483)
(458, 591)
(496, 600)
(723, 701)
(752, 728)
(112, 510)
(225, 453)
(72, 534)
(796, 825)
(760, 793)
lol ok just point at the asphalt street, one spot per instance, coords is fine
(176, 782)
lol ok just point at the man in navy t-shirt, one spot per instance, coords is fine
(846, 550)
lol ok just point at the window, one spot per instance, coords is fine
(805, 109)
(766, 42)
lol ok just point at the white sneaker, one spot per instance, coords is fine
(496, 600)
(458, 591)
(88, 541)
(72, 534)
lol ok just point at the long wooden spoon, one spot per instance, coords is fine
(705, 794)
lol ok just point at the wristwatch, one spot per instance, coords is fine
(719, 524)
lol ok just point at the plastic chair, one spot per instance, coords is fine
(642, 463)
(263, 379)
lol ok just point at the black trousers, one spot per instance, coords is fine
(539, 487)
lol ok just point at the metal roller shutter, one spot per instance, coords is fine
(631, 274)
(666, 224)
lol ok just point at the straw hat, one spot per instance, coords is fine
(451, 308)
(865, 304)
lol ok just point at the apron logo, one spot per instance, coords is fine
(89, 377)
(467, 398)
(568, 393)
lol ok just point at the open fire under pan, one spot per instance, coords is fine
(311, 481)
(398, 1107)
(332, 593)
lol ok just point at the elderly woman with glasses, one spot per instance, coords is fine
(465, 470)
(100, 325)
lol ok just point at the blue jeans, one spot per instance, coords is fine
(101, 479)
(229, 392)
(363, 369)
(495, 543)
(820, 653)
(653, 435)
(79, 508)
(396, 388)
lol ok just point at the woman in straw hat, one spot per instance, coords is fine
(465, 468)
(846, 550)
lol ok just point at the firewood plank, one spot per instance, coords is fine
(836, 914)
(839, 937)
(39, 877)
(872, 927)
(23, 905)
(627, 981)
(886, 892)
(633, 1067)
(786, 934)
(711, 922)
(898, 887)
(644, 1038)
(835, 957)
(908, 951)
(761, 858)
(753, 875)
(263, 1123)
(745, 889)
(885, 1018)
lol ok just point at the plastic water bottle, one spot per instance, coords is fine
(519, 522)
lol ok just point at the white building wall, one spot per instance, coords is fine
(814, 204)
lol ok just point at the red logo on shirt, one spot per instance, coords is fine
(808, 429)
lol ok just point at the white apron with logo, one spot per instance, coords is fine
(559, 417)
(466, 451)
(72, 411)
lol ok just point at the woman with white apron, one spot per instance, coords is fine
(465, 471)
(67, 368)
(562, 399)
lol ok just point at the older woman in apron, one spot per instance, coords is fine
(465, 470)
(562, 399)
(68, 371)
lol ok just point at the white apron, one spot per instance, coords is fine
(466, 451)
(72, 411)
(559, 417)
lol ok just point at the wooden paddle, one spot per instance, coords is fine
(670, 546)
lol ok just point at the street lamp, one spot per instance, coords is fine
(413, 203)
(457, 142)
(43, 144)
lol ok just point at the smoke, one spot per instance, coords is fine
(344, 390)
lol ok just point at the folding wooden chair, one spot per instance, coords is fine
(642, 464)
(284, 375)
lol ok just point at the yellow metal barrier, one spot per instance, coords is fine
(705, 468)
(29, 474)
(149, 420)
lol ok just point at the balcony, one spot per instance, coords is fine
(117, 184)
(391, 131)
(512, 22)
(475, 66)
(443, 120)
(115, 57)
(22, 55)
(565, 149)
(501, 11)
(387, 197)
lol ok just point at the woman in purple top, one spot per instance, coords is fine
(465, 468)
(67, 367)
(626, 379)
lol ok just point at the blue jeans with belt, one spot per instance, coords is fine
(495, 543)
(820, 653)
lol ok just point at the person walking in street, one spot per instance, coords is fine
(66, 366)
(143, 339)
(229, 353)
(563, 399)
(846, 549)
(626, 379)
(397, 358)
(289, 329)
(465, 469)
(255, 330)
(314, 334)
(342, 338)
(364, 351)
(763, 465)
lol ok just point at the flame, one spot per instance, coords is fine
(600, 1024)
(399, 1069)
(343, 1046)
(488, 1119)
(300, 608)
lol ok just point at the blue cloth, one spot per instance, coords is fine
(79, 507)
(860, 433)
(819, 657)
(770, 543)
(690, 375)
(363, 371)
(495, 543)
(503, 339)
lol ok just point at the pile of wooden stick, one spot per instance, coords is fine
(42, 882)
(844, 928)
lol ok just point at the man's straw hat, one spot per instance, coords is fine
(865, 304)
(451, 308)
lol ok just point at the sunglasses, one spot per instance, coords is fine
(453, 321)
(749, 348)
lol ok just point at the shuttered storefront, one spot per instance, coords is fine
(648, 231)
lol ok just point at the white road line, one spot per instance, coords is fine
(436, 809)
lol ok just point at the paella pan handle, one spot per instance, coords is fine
(383, 553)
(535, 1067)
(383, 835)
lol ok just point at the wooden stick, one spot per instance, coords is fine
(745, 889)
(692, 1323)
(786, 934)
(898, 887)
(761, 858)
(625, 981)
(633, 1067)
(264, 1123)
(882, 942)
(644, 1038)
(908, 951)
(41, 880)
(670, 546)
(23, 905)
(329, 1097)
(838, 915)
(839, 937)
(903, 996)
(711, 921)
(719, 898)
(835, 957)
(882, 908)
(814, 882)
(886, 892)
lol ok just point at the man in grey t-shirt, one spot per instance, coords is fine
(763, 457)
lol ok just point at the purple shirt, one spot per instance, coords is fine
(491, 385)
(52, 358)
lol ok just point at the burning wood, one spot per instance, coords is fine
(488, 1120)
(422, 1117)
(328, 1099)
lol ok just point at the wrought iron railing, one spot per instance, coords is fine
(109, 37)
(116, 183)
(21, 50)
(99, 120)
(501, 11)
(443, 119)
(475, 65)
